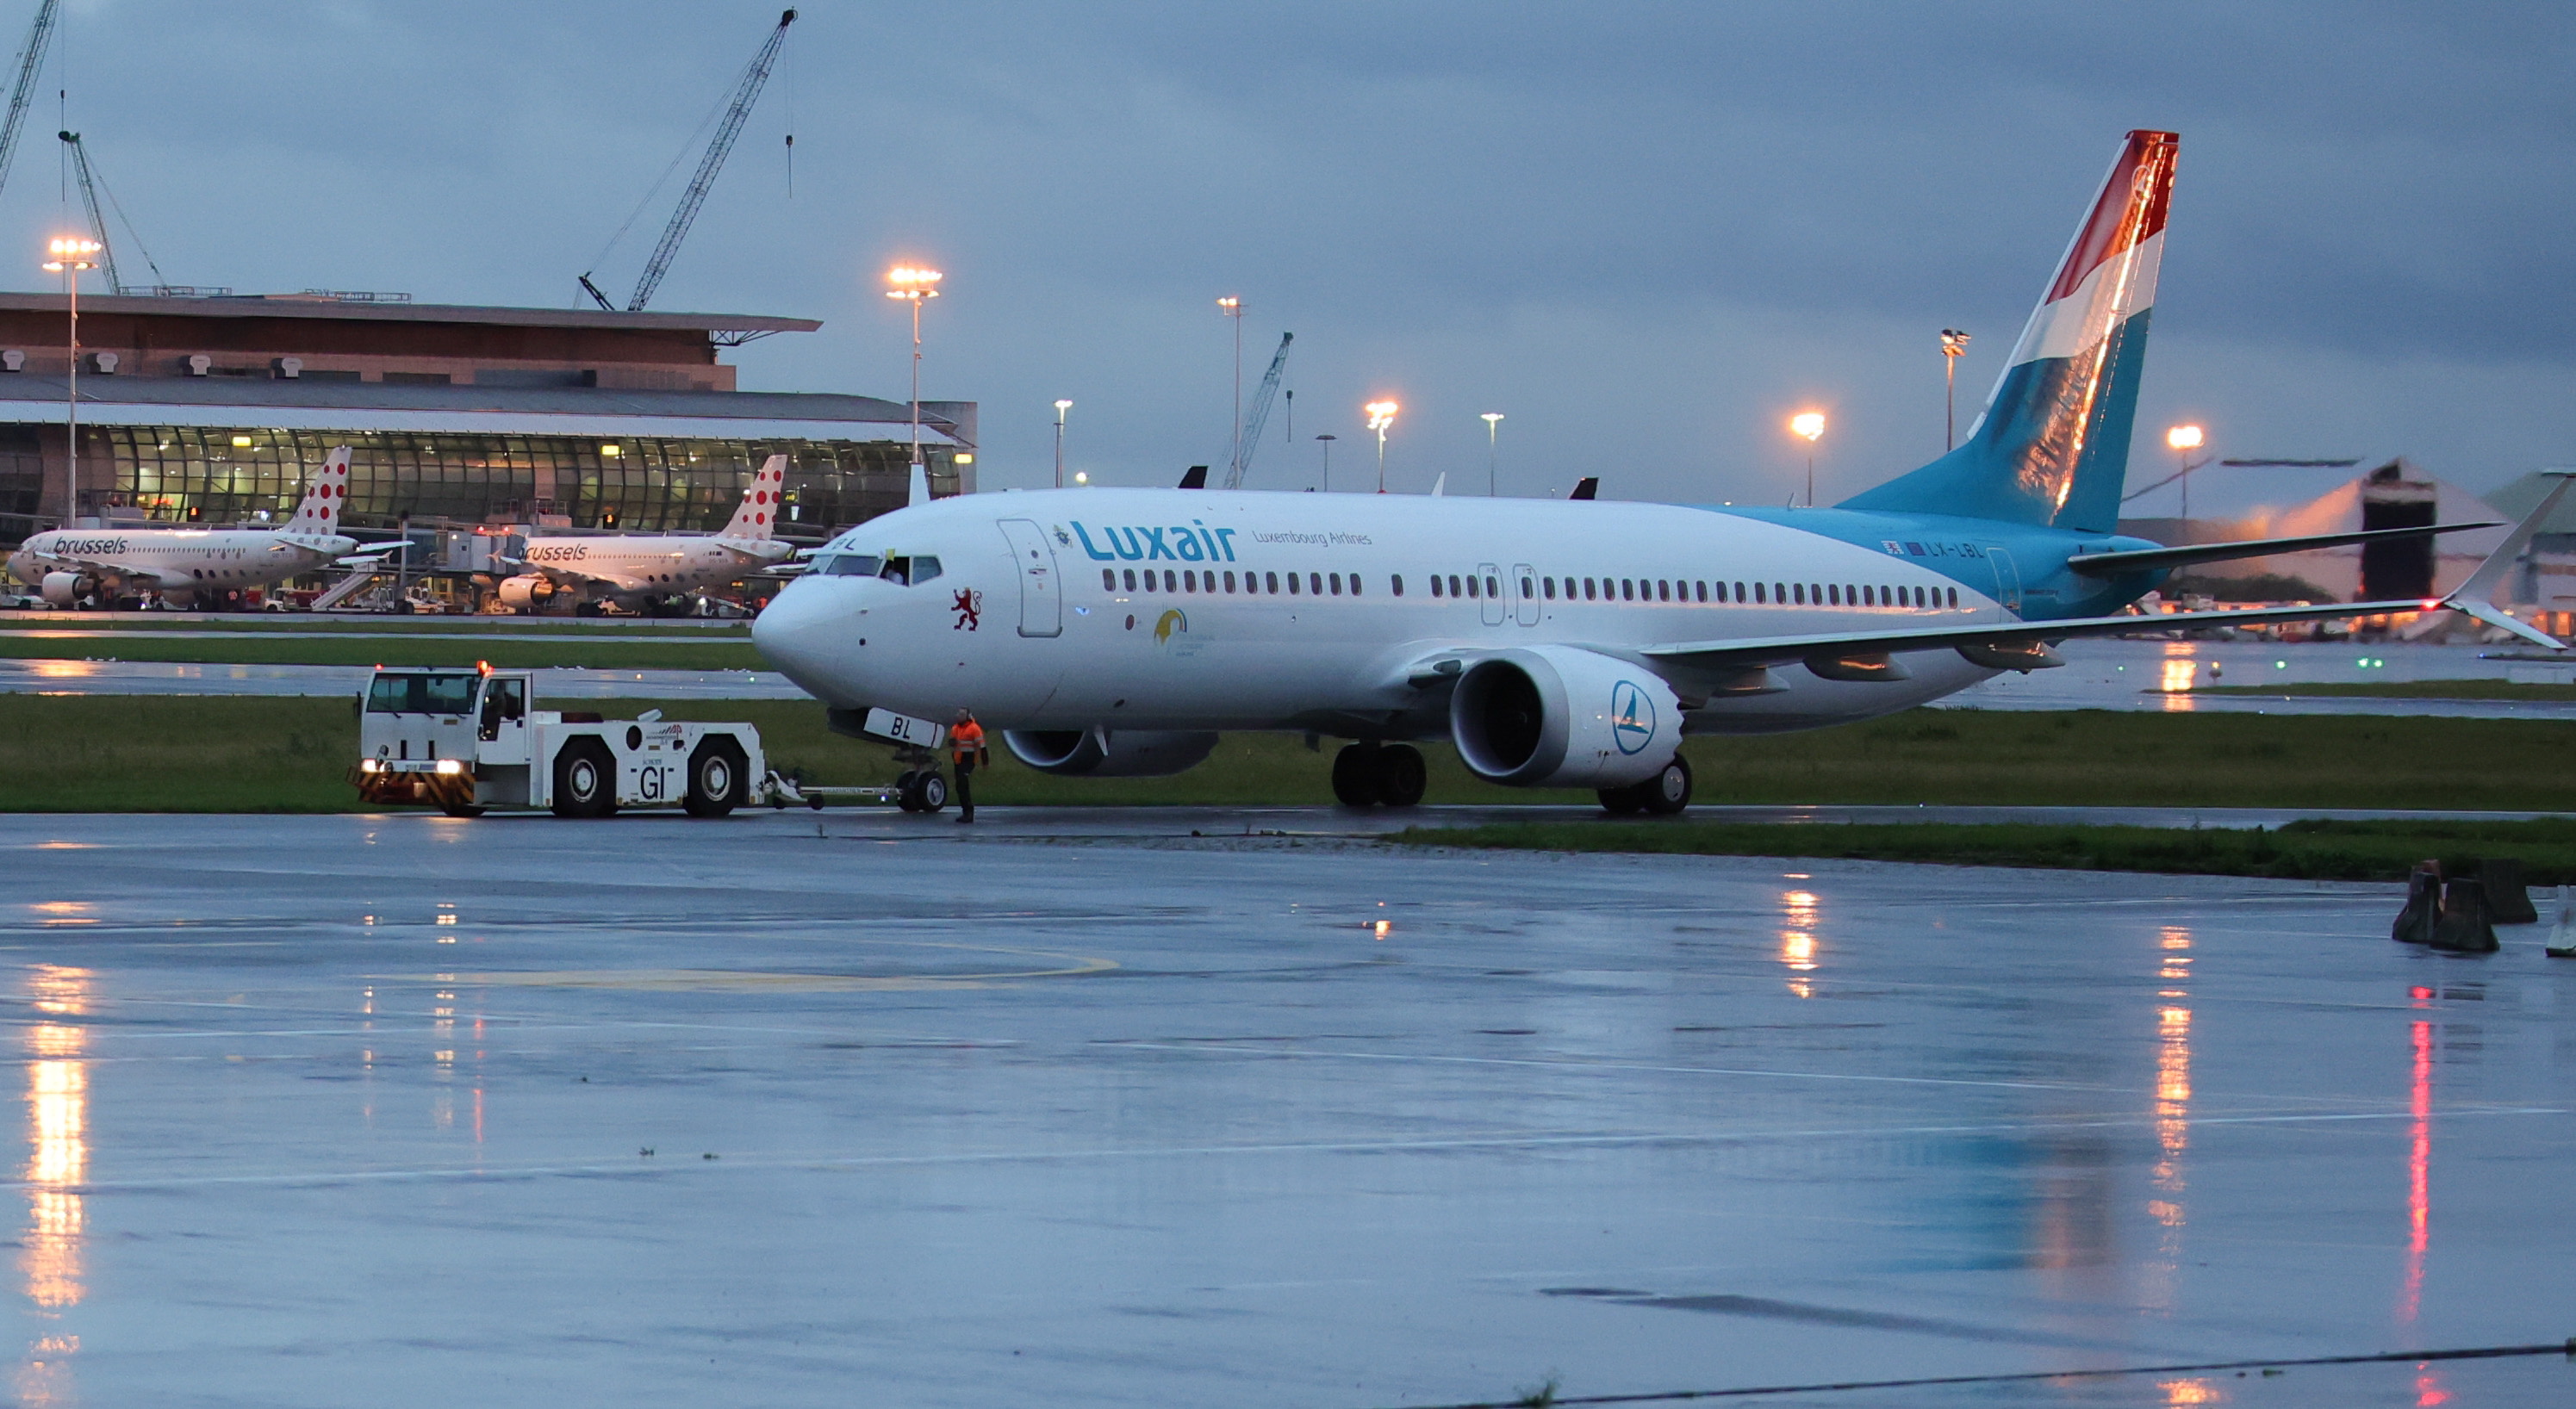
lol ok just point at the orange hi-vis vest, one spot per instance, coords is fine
(966, 740)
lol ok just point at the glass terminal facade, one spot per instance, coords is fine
(195, 474)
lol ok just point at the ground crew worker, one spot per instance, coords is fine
(966, 748)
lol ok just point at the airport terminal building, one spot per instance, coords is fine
(213, 409)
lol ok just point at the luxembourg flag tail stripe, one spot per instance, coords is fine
(2053, 444)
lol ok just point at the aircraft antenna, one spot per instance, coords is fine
(1259, 416)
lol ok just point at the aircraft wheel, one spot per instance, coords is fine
(1401, 776)
(932, 788)
(906, 796)
(1355, 775)
(715, 779)
(585, 780)
(1623, 802)
(1668, 792)
(460, 809)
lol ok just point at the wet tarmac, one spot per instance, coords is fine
(863, 1108)
(2171, 677)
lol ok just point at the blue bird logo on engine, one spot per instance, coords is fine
(1632, 717)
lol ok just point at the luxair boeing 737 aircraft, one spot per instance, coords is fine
(1556, 643)
(185, 564)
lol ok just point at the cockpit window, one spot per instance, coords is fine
(850, 565)
(422, 694)
(911, 571)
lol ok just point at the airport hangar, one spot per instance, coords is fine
(212, 408)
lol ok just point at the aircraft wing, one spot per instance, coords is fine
(2006, 644)
(2146, 559)
(2017, 645)
(107, 568)
(569, 577)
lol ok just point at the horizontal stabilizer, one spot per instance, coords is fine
(2157, 559)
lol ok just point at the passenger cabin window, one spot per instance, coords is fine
(1396, 581)
(1109, 579)
(1435, 585)
(422, 694)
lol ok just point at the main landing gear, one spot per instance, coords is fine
(1662, 795)
(921, 790)
(1374, 774)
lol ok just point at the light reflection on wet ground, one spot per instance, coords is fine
(2147, 675)
(322, 1102)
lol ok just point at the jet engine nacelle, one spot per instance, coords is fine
(527, 590)
(1109, 753)
(60, 589)
(1563, 717)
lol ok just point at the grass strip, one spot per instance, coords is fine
(2320, 849)
(2399, 690)
(238, 753)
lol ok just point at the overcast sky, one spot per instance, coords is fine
(1645, 233)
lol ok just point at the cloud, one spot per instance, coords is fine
(1641, 231)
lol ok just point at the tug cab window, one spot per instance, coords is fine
(504, 702)
(422, 694)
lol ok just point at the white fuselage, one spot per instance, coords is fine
(650, 566)
(1039, 617)
(176, 560)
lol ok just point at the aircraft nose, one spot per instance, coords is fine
(804, 633)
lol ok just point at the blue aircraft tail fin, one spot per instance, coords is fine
(2053, 445)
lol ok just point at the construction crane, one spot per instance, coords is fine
(1258, 417)
(745, 93)
(30, 63)
(98, 222)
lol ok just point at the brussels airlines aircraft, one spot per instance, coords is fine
(67, 563)
(633, 569)
(1556, 643)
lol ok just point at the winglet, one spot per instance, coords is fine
(2476, 597)
(920, 494)
(1195, 477)
(1438, 486)
(1586, 487)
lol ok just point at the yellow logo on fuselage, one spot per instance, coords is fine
(1172, 621)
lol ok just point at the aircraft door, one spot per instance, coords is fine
(2007, 579)
(502, 728)
(1524, 586)
(1041, 596)
(1489, 591)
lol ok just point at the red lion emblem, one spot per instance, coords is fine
(969, 607)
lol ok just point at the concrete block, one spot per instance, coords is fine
(2507, 898)
(2423, 905)
(2467, 926)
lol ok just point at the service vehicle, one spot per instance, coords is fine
(465, 741)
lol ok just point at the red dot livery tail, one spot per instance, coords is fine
(319, 513)
(757, 519)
